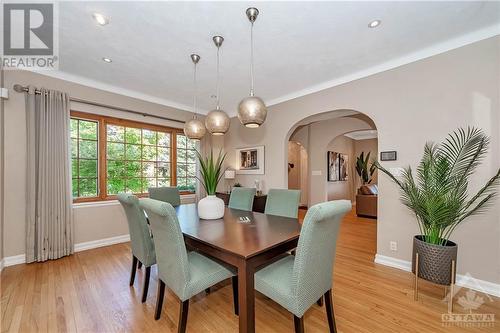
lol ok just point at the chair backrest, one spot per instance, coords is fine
(171, 254)
(283, 202)
(242, 198)
(315, 254)
(166, 194)
(140, 238)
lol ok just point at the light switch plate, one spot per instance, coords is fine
(316, 173)
(4, 93)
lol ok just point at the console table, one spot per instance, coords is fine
(259, 201)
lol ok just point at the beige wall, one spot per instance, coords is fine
(410, 105)
(298, 175)
(366, 146)
(342, 189)
(92, 222)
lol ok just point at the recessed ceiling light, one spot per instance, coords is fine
(101, 19)
(108, 60)
(374, 24)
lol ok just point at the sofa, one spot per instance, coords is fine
(366, 201)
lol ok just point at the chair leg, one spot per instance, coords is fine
(159, 298)
(139, 264)
(234, 282)
(132, 272)
(146, 284)
(329, 312)
(183, 316)
(320, 301)
(299, 324)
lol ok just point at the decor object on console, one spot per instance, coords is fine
(439, 199)
(250, 161)
(211, 207)
(229, 175)
(194, 128)
(252, 110)
(217, 121)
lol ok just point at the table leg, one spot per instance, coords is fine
(246, 297)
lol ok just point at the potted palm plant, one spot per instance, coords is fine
(364, 173)
(439, 198)
(211, 172)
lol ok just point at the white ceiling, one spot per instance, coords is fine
(300, 47)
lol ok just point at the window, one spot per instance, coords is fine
(186, 163)
(84, 150)
(112, 155)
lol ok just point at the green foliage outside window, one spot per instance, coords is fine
(84, 152)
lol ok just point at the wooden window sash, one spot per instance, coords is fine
(103, 121)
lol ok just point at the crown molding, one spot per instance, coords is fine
(427, 52)
(430, 51)
(117, 90)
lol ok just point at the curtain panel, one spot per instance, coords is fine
(49, 227)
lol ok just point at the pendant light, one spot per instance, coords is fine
(252, 111)
(217, 121)
(194, 128)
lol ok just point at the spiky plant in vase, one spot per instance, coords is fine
(210, 207)
(439, 198)
(365, 173)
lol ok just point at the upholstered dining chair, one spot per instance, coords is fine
(283, 202)
(167, 194)
(143, 250)
(297, 282)
(186, 274)
(242, 198)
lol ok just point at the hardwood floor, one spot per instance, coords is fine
(89, 292)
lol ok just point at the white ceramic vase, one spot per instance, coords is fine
(211, 208)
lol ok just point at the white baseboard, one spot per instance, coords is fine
(466, 281)
(101, 242)
(21, 259)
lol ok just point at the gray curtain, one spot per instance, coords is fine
(49, 228)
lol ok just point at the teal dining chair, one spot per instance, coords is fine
(242, 198)
(186, 274)
(283, 202)
(297, 282)
(143, 250)
(167, 194)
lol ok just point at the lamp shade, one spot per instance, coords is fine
(229, 174)
(252, 111)
(194, 129)
(217, 122)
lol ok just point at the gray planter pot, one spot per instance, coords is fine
(434, 260)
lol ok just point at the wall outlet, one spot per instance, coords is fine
(393, 245)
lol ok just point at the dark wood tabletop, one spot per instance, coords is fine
(245, 240)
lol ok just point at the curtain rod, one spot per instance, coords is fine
(20, 89)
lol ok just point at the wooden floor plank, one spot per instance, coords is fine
(89, 292)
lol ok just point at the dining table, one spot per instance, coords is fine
(245, 240)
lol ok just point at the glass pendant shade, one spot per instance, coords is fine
(217, 122)
(252, 111)
(194, 129)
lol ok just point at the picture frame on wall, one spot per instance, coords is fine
(338, 166)
(250, 160)
(333, 166)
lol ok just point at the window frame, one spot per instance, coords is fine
(102, 122)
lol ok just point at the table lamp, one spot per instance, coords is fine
(229, 174)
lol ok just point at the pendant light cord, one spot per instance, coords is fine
(251, 61)
(195, 91)
(217, 82)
